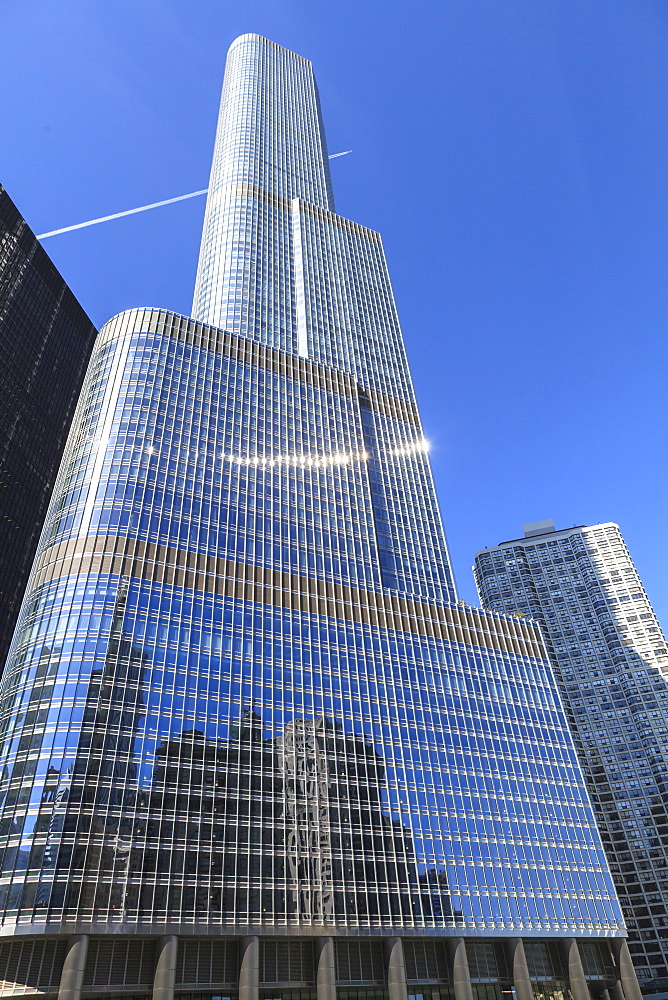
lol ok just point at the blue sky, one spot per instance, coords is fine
(513, 156)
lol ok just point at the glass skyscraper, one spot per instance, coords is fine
(611, 658)
(252, 747)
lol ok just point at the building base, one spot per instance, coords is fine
(171, 967)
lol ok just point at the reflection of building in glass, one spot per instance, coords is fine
(93, 828)
(339, 833)
(281, 826)
(45, 343)
(611, 659)
(225, 799)
(274, 755)
(306, 758)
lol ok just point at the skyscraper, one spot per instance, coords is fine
(611, 659)
(251, 745)
(45, 345)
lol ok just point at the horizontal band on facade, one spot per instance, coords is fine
(244, 189)
(338, 221)
(211, 338)
(192, 931)
(122, 556)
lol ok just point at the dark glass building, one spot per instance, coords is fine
(45, 344)
(252, 747)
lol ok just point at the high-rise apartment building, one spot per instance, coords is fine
(45, 344)
(611, 659)
(251, 746)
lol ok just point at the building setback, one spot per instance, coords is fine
(251, 746)
(45, 344)
(611, 659)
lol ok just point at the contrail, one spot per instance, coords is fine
(119, 215)
(143, 208)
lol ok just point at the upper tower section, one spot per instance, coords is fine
(270, 130)
(270, 146)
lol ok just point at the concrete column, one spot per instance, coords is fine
(325, 977)
(396, 969)
(519, 970)
(164, 976)
(570, 956)
(249, 969)
(616, 992)
(71, 978)
(625, 970)
(459, 968)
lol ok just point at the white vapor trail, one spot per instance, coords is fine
(119, 215)
(143, 208)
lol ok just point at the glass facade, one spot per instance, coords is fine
(270, 149)
(245, 715)
(45, 345)
(216, 713)
(611, 659)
